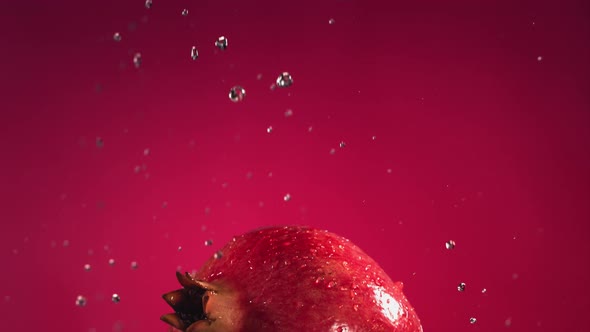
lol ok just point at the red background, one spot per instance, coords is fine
(487, 146)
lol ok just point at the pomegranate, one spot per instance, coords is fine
(290, 278)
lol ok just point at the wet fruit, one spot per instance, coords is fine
(290, 279)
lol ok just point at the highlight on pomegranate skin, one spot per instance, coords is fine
(290, 278)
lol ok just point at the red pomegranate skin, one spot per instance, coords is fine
(294, 278)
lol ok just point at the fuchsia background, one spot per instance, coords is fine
(487, 146)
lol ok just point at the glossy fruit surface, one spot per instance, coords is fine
(290, 278)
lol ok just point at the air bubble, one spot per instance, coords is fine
(208, 243)
(194, 53)
(472, 320)
(87, 267)
(342, 145)
(269, 129)
(134, 265)
(117, 37)
(461, 287)
(137, 60)
(284, 80)
(287, 197)
(81, 301)
(450, 245)
(116, 298)
(148, 4)
(221, 43)
(185, 12)
(218, 255)
(237, 94)
(111, 262)
(331, 21)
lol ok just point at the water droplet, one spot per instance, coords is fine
(539, 58)
(309, 129)
(259, 77)
(450, 245)
(208, 243)
(7, 298)
(472, 320)
(221, 43)
(146, 152)
(134, 265)
(218, 255)
(284, 80)
(87, 267)
(137, 60)
(194, 53)
(461, 287)
(269, 129)
(508, 322)
(179, 248)
(99, 142)
(332, 151)
(116, 298)
(117, 37)
(287, 197)
(288, 113)
(185, 12)
(331, 21)
(342, 145)
(148, 4)
(66, 243)
(111, 262)
(81, 301)
(237, 94)
(374, 137)
(389, 170)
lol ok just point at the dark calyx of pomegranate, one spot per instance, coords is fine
(189, 303)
